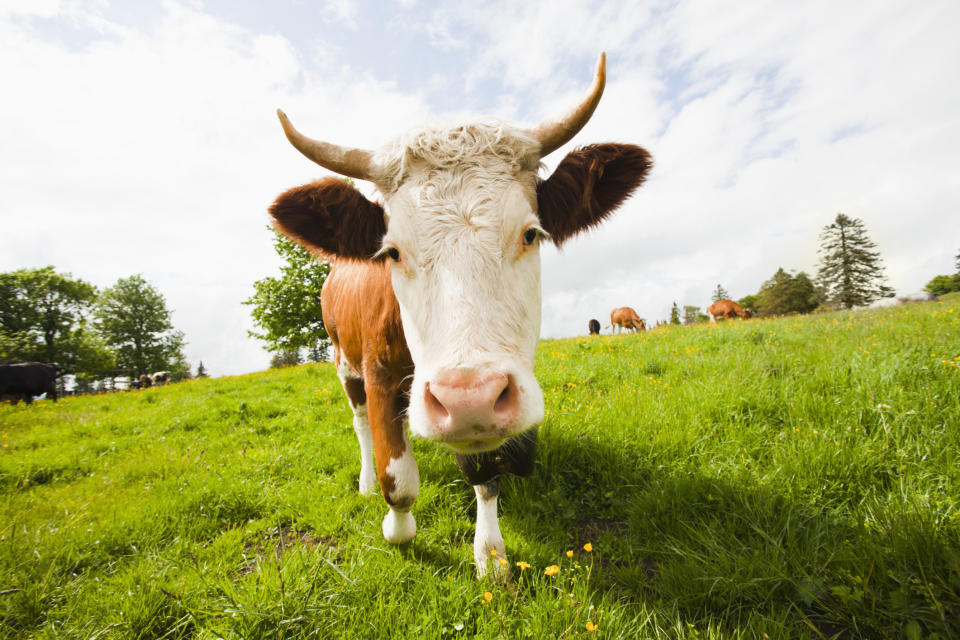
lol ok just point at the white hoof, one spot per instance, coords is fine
(368, 485)
(399, 527)
(496, 566)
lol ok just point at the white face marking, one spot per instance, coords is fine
(468, 286)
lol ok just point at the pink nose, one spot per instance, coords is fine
(467, 404)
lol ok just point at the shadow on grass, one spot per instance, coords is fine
(720, 550)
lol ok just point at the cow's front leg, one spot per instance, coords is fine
(487, 538)
(356, 393)
(396, 468)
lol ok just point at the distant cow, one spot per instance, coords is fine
(160, 378)
(727, 309)
(28, 379)
(594, 326)
(626, 318)
(144, 381)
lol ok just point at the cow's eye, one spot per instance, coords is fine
(530, 236)
(394, 254)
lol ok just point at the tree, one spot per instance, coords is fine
(287, 309)
(202, 371)
(785, 293)
(285, 358)
(133, 319)
(692, 314)
(43, 316)
(956, 263)
(851, 272)
(674, 314)
(720, 294)
(942, 285)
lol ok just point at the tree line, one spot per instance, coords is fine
(95, 335)
(850, 274)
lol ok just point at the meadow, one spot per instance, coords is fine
(788, 478)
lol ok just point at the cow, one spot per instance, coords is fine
(433, 300)
(144, 381)
(27, 380)
(727, 309)
(626, 318)
(594, 327)
(160, 378)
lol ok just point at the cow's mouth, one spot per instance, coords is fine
(475, 446)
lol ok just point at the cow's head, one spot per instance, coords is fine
(462, 217)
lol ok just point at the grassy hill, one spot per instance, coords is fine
(784, 478)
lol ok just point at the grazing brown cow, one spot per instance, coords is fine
(594, 327)
(433, 300)
(727, 309)
(626, 318)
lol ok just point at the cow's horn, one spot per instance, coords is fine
(553, 134)
(346, 161)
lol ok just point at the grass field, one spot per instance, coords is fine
(764, 479)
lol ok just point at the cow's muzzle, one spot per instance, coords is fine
(472, 410)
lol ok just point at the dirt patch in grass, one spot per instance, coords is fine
(277, 542)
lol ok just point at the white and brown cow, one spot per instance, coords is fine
(727, 309)
(433, 300)
(626, 318)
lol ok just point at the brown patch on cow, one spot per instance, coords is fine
(588, 186)
(277, 542)
(355, 392)
(331, 217)
(358, 299)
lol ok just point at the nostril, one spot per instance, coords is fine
(507, 401)
(435, 408)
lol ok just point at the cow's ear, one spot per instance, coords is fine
(589, 185)
(332, 217)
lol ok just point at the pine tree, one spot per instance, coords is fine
(202, 371)
(675, 314)
(720, 294)
(957, 263)
(851, 272)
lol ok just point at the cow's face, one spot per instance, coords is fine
(461, 222)
(464, 248)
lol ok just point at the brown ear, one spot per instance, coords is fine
(330, 216)
(588, 186)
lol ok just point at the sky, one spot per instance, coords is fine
(141, 138)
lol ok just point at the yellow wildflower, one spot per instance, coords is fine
(523, 565)
(588, 547)
(591, 627)
(570, 553)
(501, 562)
(552, 570)
(493, 552)
(488, 596)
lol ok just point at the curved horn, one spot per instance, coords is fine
(346, 161)
(553, 134)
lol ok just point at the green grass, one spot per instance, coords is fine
(794, 478)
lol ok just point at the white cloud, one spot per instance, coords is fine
(157, 152)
